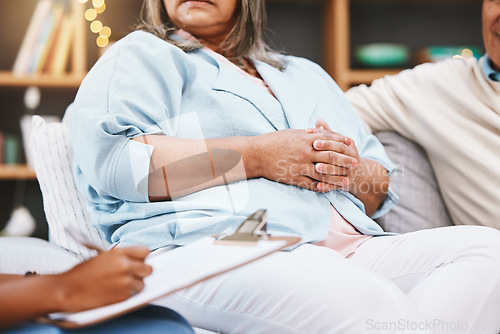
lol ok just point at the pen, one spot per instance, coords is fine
(83, 239)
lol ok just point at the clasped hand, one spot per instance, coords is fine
(316, 159)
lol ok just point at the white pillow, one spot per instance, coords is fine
(21, 254)
(63, 204)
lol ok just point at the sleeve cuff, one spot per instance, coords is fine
(133, 164)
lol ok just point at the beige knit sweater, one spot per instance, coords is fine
(453, 111)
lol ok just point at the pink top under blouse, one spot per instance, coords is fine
(342, 236)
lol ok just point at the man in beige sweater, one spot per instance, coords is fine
(452, 109)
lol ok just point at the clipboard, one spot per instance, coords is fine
(183, 267)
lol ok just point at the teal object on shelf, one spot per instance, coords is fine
(11, 150)
(382, 55)
(438, 53)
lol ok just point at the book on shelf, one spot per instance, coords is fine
(40, 43)
(62, 46)
(25, 54)
(47, 42)
(44, 65)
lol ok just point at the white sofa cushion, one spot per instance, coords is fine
(62, 202)
(19, 255)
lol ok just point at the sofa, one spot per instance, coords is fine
(420, 204)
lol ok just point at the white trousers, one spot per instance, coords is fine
(444, 280)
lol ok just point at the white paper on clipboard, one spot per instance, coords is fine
(176, 269)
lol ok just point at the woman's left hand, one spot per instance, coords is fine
(329, 173)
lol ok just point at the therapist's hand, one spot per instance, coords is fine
(289, 156)
(108, 278)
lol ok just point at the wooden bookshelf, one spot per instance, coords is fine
(7, 79)
(357, 77)
(337, 43)
(16, 172)
(70, 79)
(78, 62)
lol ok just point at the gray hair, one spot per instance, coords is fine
(247, 38)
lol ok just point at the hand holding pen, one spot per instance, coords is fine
(110, 277)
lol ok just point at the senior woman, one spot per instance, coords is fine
(190, 124)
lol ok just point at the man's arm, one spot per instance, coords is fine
(375, 105)
(397, 102)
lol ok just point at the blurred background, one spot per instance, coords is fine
(374, 37)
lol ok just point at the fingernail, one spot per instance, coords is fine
(321, 127)
(319, 186)
(345, 182)
(309, 130)
(320, 167)
(318, 143)
(354, 163)
(348, 141)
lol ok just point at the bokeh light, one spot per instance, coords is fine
(100, 9)
(97, 3)
(90, 14)
(96, 26)
(102, 41)
(105, 31)
(467, 53)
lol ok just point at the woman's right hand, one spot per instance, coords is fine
(108, 278)
(288, 156)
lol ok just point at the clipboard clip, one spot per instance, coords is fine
(250, 231)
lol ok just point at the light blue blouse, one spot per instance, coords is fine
(144, 85)
(488, 69)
